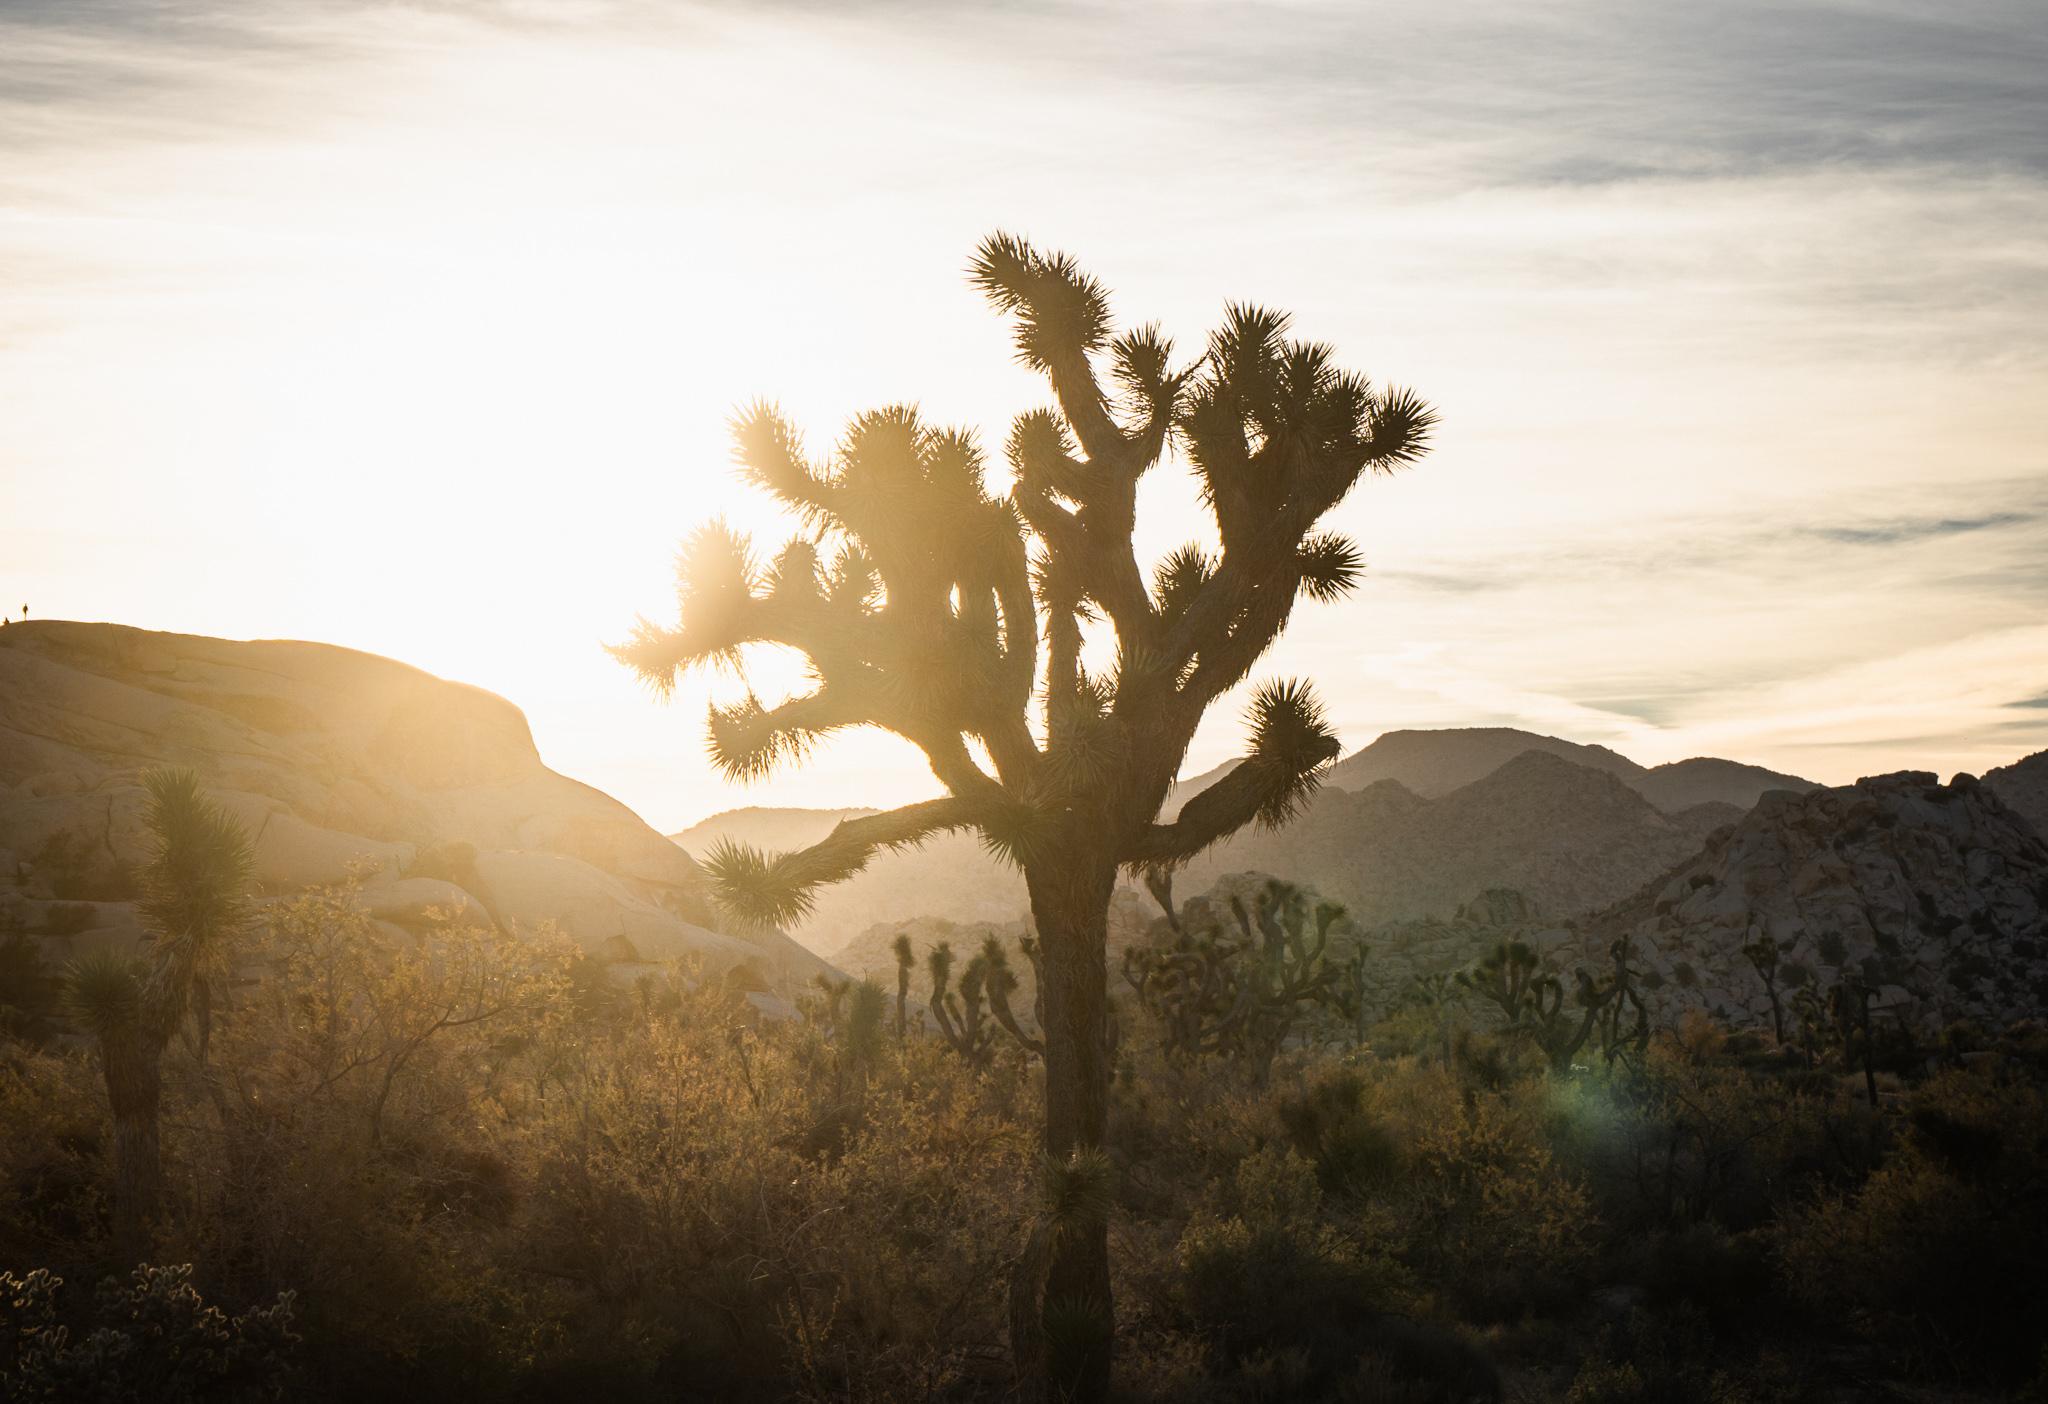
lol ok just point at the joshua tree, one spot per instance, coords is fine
(958, 619)
(1532, 1000)
(963, 1017)
(195, 900)
(905, 962)
(1217, 990)
(1762, 954)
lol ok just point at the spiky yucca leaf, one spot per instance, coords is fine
(102, 993)
(1400, 426)
(1180, 578)
(1292, 742)
(1060, 311)
(771, 456)
(747, 741)
(1077, 1194)
(1330, 566)
(746, 884)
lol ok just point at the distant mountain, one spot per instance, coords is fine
(776, 830)
(1373, 837)
(1680, 785)
(1567, 836)
(1433, 763)
(2023, 786)
(1935, 896)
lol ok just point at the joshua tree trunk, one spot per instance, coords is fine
(1070, 906)
(131, 1061)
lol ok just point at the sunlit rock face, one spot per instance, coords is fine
(331, 759)
(1934, 896)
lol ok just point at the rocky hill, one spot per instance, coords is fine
(1936, 895)
(330, 758)
(2023, 786)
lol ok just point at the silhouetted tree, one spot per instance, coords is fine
(956, 618)
(195, 900)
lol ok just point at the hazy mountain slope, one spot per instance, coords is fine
(1568, 837)
(1370, 801)
(1711, 780)
(329, 757)
(1935, 895)
(776, 830)
(1433, 763)
(2023, 786)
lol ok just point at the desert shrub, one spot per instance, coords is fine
(1328, 1125)
(1937, 1254)
(1287, 1295)
(1727, 1278)
(53, 1182)
(1696, 1137)
(151, 1338)
(1495, 1220)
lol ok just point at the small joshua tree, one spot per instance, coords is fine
(1617, 999)
(958, 618)
(1762, 955)
(195, 902)
(1532, 1000)
(906, 961)
(1239, 989)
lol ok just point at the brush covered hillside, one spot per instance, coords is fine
(1413, 825)
(331, 759)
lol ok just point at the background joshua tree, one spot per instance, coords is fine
(930, 606)
(195, 900)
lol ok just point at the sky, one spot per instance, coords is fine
(416, 328)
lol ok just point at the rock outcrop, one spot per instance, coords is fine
(1934, 896)
(332, 759)
(2023, 786)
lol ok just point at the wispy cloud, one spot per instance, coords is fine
(1737, 313)
(1899, 531)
